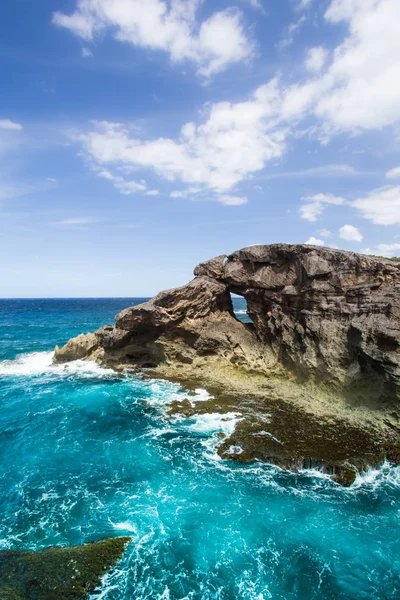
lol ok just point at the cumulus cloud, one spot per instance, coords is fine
(316, 58)
(388, 250)
(393, 173)
(357, 90)
(166, 25)
(10, 125)
(381, 206)
(312, 241)
(362, 83)
(314, 206)
(233, 142)
(350, 233)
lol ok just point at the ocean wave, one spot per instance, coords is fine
(34, 363)
(41, 363)
(214, 423)
(385, 475)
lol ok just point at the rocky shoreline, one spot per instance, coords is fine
(315, 378)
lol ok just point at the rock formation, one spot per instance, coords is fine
(58, 573)
(323, 315)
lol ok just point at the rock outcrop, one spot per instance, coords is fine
(58, 573)
(322, 315)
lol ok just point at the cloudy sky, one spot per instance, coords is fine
(139, 137)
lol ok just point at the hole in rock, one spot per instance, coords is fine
(240, 308)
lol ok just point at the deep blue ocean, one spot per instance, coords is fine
(86, 454)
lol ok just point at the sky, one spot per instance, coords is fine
(141, 137)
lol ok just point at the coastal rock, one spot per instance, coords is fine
(77, 348)
(323, 315)
(57, 573)
(181, 326)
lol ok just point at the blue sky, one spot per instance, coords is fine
(139, 137)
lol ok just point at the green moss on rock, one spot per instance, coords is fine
(57, 573)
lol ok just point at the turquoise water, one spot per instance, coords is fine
(87, 454)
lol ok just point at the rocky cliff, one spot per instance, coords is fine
(322, 315)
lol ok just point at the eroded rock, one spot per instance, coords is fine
(325, 331)
(79, 347)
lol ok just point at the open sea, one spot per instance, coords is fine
(86, 453)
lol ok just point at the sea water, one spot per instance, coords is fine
(86, 453)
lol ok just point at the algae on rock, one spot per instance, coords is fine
(58, 573)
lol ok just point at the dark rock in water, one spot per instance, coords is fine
(57, 573)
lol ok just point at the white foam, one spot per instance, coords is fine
(201, 395)
(35, 363)
(235, 450)
(375, 477)
(125, 526)
(215, 422)
(41, 363)
(240, 312)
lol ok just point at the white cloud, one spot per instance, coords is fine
(350, 233)
(233, 142)
(381, 206)
(167, 25)
(315, 242)
(317, 172)
(124, 186)
(393, 173)
(316, 59)
(360, 89)
(75, 221)
(255, 3)
(305, 3)
(388, 250)
(232, 200)
(314, 205)
(10, 125)
(290, 33)
(362, 84)
(325, 233)
(86, 52)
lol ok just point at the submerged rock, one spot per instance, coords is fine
(57, 573)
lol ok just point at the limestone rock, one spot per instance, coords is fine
(76, 348)
(327, 316)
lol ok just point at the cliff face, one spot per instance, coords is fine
(328, 316)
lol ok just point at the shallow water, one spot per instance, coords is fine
(86, 454)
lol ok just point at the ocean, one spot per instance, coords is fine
(87, 453)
